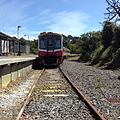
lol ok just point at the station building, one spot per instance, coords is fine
(10, 45)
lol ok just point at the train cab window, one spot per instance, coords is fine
(57, 44)
(42, 43)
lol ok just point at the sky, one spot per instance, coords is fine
(68, 17)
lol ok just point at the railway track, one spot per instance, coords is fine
(54, 98)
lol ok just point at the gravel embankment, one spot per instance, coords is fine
(13, 97)
(98, 85)
(53, 99)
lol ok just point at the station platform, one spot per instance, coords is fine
(10, 60)
(13, 68)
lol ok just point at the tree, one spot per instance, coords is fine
(87, 44)
(66, 42)
(113, 10)
(107, 33)
(116, 39)
(22, 41)
(33, 46)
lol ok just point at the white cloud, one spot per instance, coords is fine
(13, 12)
(69, 23)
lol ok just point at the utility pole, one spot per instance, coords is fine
(18, 27)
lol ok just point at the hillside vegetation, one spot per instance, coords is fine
(101, 48)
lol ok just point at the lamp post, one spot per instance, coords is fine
(18, 27)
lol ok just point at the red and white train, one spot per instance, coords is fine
(50, 48)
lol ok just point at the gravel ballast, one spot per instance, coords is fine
(53, 99)
(13, 97)
(98, 85)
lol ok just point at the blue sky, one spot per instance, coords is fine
(69, 17)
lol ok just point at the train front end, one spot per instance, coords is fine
(50, 48)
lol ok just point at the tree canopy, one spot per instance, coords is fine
(113, 10)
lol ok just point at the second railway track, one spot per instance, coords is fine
(53, 98)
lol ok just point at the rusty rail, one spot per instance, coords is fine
(98, 116)
(28, 97)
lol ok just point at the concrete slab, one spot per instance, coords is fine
(5, 61)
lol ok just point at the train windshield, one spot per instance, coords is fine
(57, 43)
(42, 44)
(49, 43)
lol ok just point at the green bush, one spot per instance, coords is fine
(106, 56)
(84, 57)
(115, 63)
(72, 48)
(95, 56)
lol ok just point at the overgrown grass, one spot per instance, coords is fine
(115, 62)
(95, 56)
(84, 57)
(98, 84)
(106, 56)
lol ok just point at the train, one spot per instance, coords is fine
(50, 49)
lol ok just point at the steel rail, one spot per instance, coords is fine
(98, 116)
(28, 97)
